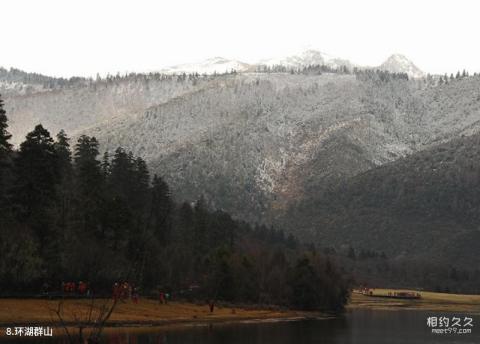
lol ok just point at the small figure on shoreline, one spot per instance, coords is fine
(161, 298)
(211, 305)
(135, 295)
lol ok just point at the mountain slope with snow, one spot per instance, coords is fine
(255, 144)
(398, 63)
(218, 65)
(308, 57)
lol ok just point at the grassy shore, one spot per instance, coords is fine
(428, 301)
(145, 313)
(148, 313)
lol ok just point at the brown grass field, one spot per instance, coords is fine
(429, 301)
(146, 312)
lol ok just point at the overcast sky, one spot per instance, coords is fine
(65, 38)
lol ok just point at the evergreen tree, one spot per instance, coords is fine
(62, 148)
(64, 189)
(5, 136)
(5, 159)
(105, 165)
(35, 190)
(121, 179)
(89, 186)
(161, 206)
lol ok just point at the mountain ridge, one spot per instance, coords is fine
(257, 144)
(396, 63)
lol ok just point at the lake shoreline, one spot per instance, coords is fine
(144, 314)
(149, 313)
(429, 301)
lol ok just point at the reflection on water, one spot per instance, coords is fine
(356, 327)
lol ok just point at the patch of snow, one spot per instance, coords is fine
(210, 66)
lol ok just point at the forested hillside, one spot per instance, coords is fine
(280, 146)
(425, 206)
(71, 214)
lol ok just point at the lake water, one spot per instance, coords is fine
(355, 327)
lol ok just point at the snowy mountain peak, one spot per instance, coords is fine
(398, 63)
(306, 58)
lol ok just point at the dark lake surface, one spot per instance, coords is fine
(357, 326)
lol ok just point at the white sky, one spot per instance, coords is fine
(83, 37)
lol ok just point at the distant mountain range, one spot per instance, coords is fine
(396, 63)
(337, 158)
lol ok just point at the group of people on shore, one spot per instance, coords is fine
(121, 291)
(163, 297)
(80, 288)
(124, 291)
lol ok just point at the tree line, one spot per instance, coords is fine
(70, 213)
(14, 75)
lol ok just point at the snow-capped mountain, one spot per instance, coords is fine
(221, 65)
(398, 63)
(255, 144)
(306, 58)
(210, 66)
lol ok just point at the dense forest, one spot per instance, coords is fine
(423, 210)
(70, 214)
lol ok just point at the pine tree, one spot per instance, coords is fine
(105, 165)
(5, 159)
(89, 185)
(5, 146)
(161, 207)
(122, 204)
(36, 178)
(121, 179)
(64, 189)
(87, 167)
(62, 148)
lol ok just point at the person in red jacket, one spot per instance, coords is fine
(82, 288)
